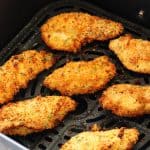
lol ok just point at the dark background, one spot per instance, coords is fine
(14, 14)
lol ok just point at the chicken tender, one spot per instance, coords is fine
(115, 139)
(127, 100)
(20, 69)
(81, 77)
(69, 31)
(34, 115)
(133, 53)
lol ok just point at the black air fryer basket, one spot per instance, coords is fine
(88, 111)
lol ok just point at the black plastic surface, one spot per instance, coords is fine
(88, 111)
(14, 15)
(137, 11)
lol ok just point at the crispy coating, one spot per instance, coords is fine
(81, 77)
(20, 69)
(69, 31)
(133, 53)
(34, 115)
(127, 100)
(115, 139)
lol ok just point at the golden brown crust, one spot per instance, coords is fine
(34, 115)
(133, 53)
(115, 139)
(20, 69)
(69, 31)
(127, 100)
(81, 77)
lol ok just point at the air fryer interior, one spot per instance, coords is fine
(88, 111)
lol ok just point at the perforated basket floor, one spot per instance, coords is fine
(88, 111)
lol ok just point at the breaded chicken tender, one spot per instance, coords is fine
(115, 139)
(34, 115)
(133, 53)
(20, 69)
(127, 100)
(69, 31)
(81, 77)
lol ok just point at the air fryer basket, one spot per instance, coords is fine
(88, 111)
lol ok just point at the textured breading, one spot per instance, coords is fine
(20, 69)
(115, 139)
(133, 53)
(81, 77)
(127, 100)
(34, 115)
(69, 31)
